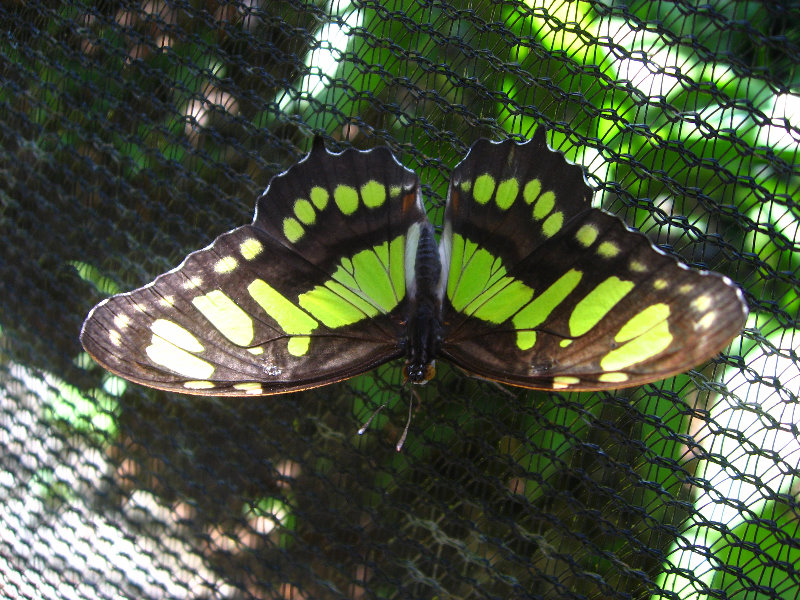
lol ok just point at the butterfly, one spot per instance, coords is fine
(341, 271)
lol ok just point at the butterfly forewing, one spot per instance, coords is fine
(502, 195)
(314, 291)
(571, 299)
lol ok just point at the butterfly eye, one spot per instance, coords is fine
(419, 374)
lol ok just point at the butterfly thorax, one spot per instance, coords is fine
(424, 318)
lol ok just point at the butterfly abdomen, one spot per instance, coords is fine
(424, 319)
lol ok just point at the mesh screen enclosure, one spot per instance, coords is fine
(135, 132)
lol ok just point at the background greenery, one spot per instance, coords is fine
(135, 132)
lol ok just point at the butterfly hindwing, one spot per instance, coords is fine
(311, 293)
(572, 299)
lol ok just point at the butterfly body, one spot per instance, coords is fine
(424, 323)
(341, 271)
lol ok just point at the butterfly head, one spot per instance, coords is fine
(419, 374)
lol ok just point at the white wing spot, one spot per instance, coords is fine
(115, 337)
(660, 284)
(192, 282)
(614, 377)
(707, 321)
(250, 248)
(249, 387)
(562, 382)
(122, 321)
(637, 267)
(702, 303)
(226, 264)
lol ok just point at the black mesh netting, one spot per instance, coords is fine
(132, 133)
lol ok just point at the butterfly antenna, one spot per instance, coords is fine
(371, 417)
(402, 439)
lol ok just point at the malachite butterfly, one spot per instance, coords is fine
(340, 272)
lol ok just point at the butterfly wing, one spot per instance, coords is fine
(311, 293)
(546, 292)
